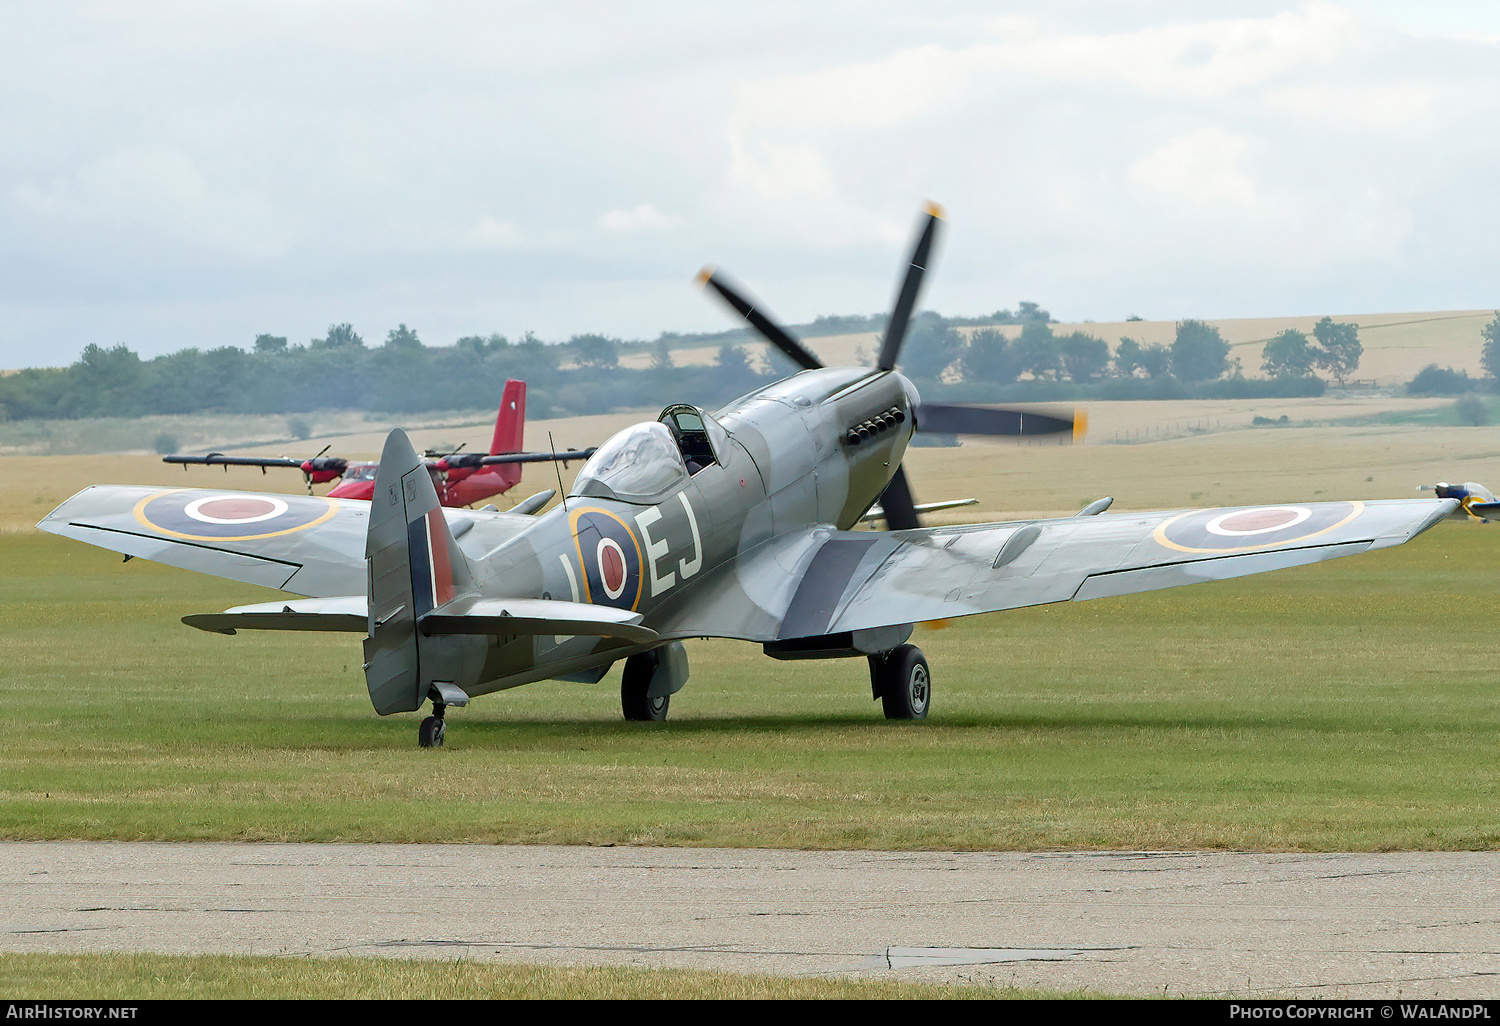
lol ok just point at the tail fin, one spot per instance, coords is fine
(414, 566)
(510, 429)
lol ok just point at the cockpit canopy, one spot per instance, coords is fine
(361, 471)
(640, 464)
(701, 439)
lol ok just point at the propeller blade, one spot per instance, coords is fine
(895, 330)
(769, 329)
(899, 506)
(989, 420)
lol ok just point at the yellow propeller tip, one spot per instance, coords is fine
(1080, 424)
(936, 210)
(705, 274)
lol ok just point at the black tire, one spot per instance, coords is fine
(905, 683)
(430, 733)
(634, 701)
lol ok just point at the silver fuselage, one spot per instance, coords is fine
(786, 460)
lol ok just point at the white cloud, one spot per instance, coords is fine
(1201, 168)
(149, 199)
(644, 217)
(1372, 103)
(166, 170)
(491, 233)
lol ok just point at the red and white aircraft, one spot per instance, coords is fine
(461, 479)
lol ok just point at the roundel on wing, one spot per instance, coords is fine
(610, 556)
(230, 516)
(1245, 528)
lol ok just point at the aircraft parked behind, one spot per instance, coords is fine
(461, 478)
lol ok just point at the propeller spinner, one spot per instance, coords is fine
(897, 501)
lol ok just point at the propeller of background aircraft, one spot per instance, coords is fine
(319, 469)
(899, 506)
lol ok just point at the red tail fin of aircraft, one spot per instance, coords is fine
(510, 427)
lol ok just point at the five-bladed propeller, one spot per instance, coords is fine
(897, 502)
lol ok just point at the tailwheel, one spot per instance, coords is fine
(634, 683)
(903, 681)
(430, 733)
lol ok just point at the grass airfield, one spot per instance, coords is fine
(1348, 706)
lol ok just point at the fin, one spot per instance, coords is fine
(414, 566)
(510, 430)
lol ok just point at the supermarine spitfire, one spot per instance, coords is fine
(732, 524)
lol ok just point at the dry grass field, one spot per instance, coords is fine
(1397, 345)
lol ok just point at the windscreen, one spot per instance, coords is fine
(639, 464)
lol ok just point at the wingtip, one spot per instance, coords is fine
(1080, 424)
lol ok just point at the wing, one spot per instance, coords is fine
(304, 544)
(820, 581)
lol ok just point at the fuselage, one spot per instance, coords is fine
(656, 514)
(457, 486)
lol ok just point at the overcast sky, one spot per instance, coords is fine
(176, 174)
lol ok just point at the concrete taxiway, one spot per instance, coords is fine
(1177, 923)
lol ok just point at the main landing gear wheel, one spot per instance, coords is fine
(430, 733)
(904, 682)
(636, 704)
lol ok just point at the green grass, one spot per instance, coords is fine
(132, 977)
(1346, 706)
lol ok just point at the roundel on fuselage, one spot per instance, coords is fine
(610, 556)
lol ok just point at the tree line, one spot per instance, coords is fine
(1198, 354)
(1435, 380)
(585, 374)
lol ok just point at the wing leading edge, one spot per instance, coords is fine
(864, 580)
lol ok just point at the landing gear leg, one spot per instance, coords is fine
(634, 682)
(903, 682)
(430, 733)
